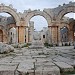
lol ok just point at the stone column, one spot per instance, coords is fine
(59, 37)
(17, 35)
(26, 34)
(21, 34)
(71, 37)
(54, 34)
(4, 37)
(53, 30)
(49, 35)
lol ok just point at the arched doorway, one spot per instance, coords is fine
(6, 22)
(70, 8)
(39, 22)
(13, 14)
(9, 9)
(67, 29)
(1, 35)
(38, 12)
(12, 35)
(33, 13)
(38, 28)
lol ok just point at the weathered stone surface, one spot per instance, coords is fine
(4, 48)
(23, 68)
(48, 70)
(36, 44)
(64, 66)
(39, 56)
(63, 59)
(8, 68)
(43, 63)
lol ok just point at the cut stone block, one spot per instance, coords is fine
(23, 68)
(8, 68)
(64, 66)
(66, 60)
(51, 70)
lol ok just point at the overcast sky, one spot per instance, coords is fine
(22, 5)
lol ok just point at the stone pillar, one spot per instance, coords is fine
(71, 37)
(31, 31)
(4, 37)
(26, 34)
(54, 34)
(21, 34)
(17, 35)
(49, 35)
(59, 37)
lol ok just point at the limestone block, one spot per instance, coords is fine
(41, 70)
(51, 70)
(7, 68)
(64, 66)
(4, 48)
(23, 68)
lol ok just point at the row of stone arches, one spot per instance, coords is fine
(23, 21)
(30, 14)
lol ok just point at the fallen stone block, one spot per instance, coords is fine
(5, 48)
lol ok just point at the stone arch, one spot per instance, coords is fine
(5, 34)
(10, 10)
(11, 25)
(65, 11)
(40, 13)
(12, 35)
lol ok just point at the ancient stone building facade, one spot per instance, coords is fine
(59, 30)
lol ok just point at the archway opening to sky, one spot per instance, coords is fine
(68, 32)
(6, 18)
(70, 15)
(39, 22)
(7, 21)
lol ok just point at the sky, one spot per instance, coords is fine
(22, 5)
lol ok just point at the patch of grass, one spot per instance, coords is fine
(48, 45)
(27, 45)
(69, 72)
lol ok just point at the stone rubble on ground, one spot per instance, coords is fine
(5, 48)
(48, 61)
